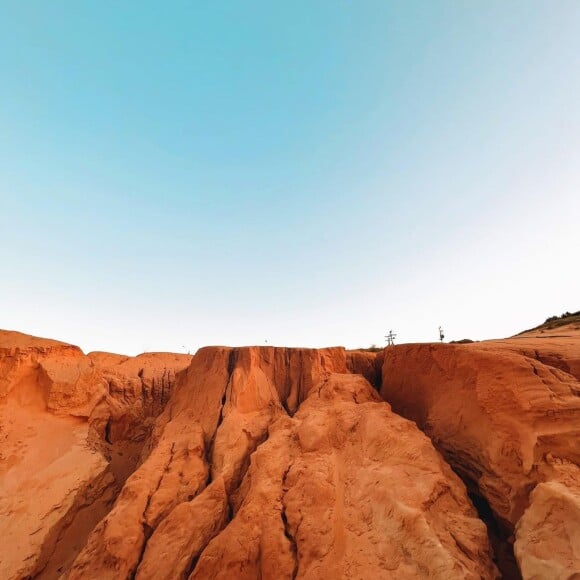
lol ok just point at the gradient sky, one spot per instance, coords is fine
(314, 172)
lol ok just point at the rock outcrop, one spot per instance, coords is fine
(47, 375)
(71, 430)
(366, 363)
(49, 475)
(558, 347)
(346, 489)
(137, 390)
(265, 462)
(548, 534)
(506, 423)
(294, 468)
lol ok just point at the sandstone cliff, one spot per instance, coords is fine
(57, 479)
(508, 424)
(277, 463)
(265, 462)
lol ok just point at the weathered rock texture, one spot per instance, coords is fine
(365, 363)
(57, 479)
(508, 424)
(138, 388)
(277, 463)
(265, 462)
(346, 489)
(558, 347)
(48, 473)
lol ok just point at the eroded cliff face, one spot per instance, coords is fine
(510, 426)
(278, 463)
(365, 363)
(287, 463)
(57, 479)
(48, 473)
(137, 390)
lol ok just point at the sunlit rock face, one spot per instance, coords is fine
(72, 426)
(265, 462)
(278, 463)
(509, 425)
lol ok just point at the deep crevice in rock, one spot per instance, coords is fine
(147, 529)
(500, 532)
(107, 434)
(191, 567)
(289, 536)
(291, 539)
(232, 359)
(500, 536)
(231, 514)
(147, 532)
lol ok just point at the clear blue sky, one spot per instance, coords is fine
(174, 174)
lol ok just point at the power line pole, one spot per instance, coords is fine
(390, 338)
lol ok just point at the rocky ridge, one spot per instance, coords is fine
(61, 468)
(508, 422)
(290, 463)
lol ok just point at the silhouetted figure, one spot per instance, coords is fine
(441, 335)
(390, 338)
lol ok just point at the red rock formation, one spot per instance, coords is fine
(138, 389)
(49, 474)
(56, 478)
(47, 375)
(365, 363)
(505, 422)
(310, 475)
(346, 488)
(548, 534)
(558, 347)
(174, 472)
(282, 463)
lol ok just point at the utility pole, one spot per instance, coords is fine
(441, 335)
(390, 338)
